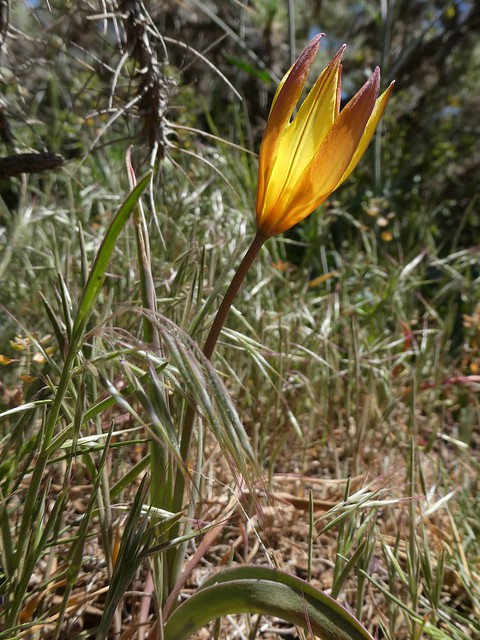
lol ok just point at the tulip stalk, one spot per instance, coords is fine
(302, 161)
(208, 349)
(303, 158)
(235, 284)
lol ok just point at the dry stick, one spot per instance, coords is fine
(19, 163)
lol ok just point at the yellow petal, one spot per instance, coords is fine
(286, 97)
(372, 123)
(315, 117)
(302, 161)
(298, 70)
(305, 134)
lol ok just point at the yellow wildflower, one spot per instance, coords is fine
(302, 161)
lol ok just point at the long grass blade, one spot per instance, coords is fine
(98, 272)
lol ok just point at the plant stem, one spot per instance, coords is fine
(232, 291)
(210, 343)
(216, 327)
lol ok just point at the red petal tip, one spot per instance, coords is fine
(336, 58)
(317, 38)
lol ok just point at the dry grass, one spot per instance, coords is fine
(337, 432)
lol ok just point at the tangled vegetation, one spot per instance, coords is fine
(334, 456)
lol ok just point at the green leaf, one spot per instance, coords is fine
(269, 592)
(252, 71)
(97, 274)
(136, 537)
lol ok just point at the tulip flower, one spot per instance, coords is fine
(304, 159)
(301, 162)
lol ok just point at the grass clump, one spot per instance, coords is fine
(336, 428)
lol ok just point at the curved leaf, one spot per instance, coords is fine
(97, 274)
(269, 592)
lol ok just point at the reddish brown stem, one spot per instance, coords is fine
(232, 291)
